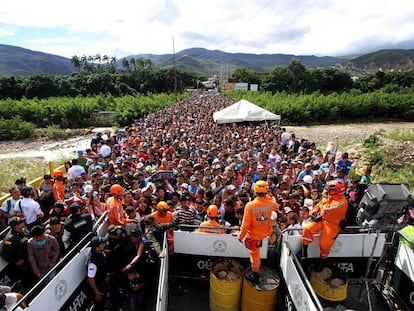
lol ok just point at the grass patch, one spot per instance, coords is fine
(401, 135)
(12, 169)
(401, 176)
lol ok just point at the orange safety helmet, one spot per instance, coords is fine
(57, 174)
(261, 187)
(212, 211)
(335, 187)
(162, 205)
(116, 189)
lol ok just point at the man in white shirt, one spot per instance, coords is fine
(29, 209)
(75, 170)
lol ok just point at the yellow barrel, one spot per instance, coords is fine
(331, 286)
(225, 285)
(262, 296)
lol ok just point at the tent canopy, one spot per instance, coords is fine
(243, 111)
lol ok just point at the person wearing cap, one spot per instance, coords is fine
(210, 225)
(29, 209)
(114, 205)
(82, 160)
(77, 226)
(307, 171)
(58, 186)
(43, 251)
(256, 225)
(162, 214)
(14, 251)
(98, 272)
(327, 218)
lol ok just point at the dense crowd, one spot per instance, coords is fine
(172, 167)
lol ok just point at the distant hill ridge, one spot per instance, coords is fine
(17, 61)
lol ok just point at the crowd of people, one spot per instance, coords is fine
(173, 167)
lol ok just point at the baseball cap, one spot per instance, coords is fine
(260, 167)
(15, 221)
(97, 240)
(79, 152)
(308, 203)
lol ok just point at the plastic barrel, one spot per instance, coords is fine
(262, 296)
(225, 285)
(324, 288)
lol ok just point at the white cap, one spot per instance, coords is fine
(308, 203)
(307, 179)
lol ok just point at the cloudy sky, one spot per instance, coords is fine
(130, 27)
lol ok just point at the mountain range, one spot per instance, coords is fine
(18, 61)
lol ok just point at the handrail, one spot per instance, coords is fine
(60, 265)
(160, 306)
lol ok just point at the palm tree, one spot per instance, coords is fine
(76, 61)
(98, 58)
(125, 63)
(105, 58)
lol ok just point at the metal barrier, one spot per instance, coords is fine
(44, 283)
(162, 292)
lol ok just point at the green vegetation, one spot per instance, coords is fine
(385, 158)
(15, 128)
(372, 141)
(19, 118)
(317, 108)
(401, 135)
(11, 169)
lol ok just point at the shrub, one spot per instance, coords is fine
(15, 129)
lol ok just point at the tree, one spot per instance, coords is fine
(245, 75)
(76, 61)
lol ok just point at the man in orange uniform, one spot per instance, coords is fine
(257, 225)
(162, 215)
(327, 217)
(213, 215)
(58, 189)
(114, 205)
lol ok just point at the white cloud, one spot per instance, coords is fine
(5, 33)
(320, 27)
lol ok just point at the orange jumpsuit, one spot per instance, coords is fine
(257, 225)
(211, 223)
(58, 191)
(116, 213)
(333, 210)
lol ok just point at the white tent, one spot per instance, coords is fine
(243, 111)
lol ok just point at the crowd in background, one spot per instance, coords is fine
(173, 161)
